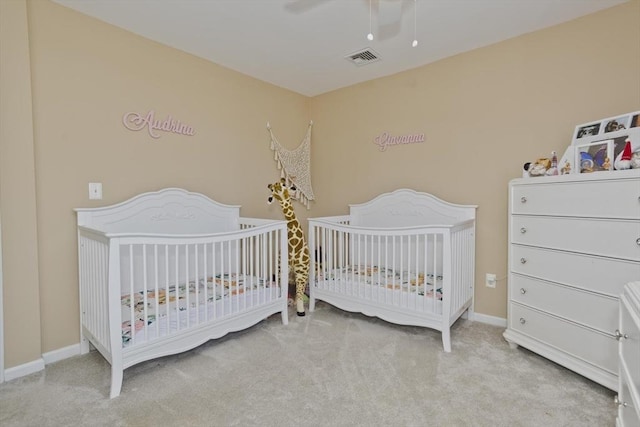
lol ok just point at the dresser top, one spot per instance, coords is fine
(580, 177)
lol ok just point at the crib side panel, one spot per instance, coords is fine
(463, 243)
(170, 285)
(401, 270)
(93, 264)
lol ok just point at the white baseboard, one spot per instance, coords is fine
(39, 364)
(61, 354)
(24, 369)
(491, 320)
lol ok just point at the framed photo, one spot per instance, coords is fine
(616, 123)
(611, 127)
(594, 157)
(584, 131)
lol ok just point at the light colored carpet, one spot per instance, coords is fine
(330, 368)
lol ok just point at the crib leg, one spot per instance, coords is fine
(312, 303)
(285, 316)
(84, 345)
(116, 382)
(446, 340)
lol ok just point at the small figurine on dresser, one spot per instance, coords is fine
(566, 169)
(553, 170)
(539, 167)
(625, 159)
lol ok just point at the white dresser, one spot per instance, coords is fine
(628, 398)
(574, 243)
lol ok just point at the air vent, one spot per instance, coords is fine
(363, 57)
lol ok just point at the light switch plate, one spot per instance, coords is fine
(95, 191)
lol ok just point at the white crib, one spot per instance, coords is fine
(166, 271)
(405, 257)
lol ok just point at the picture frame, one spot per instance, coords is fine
(614, 124)
(594, 157)
(590, 129)
(607, 128)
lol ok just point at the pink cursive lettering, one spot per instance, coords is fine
(385, 139)
(135, 121)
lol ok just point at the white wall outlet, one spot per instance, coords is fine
(490, 280)
(95, 191)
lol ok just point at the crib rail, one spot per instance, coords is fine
(415, 271)
(137, 290)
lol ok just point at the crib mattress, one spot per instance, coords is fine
(178, 307)
(383, 278)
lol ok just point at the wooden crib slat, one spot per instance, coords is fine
(131, 297)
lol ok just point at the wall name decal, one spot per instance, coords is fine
(385, 139)
(134, 121)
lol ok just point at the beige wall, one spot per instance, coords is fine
(85, 75)
(18, 191)
(484, 113)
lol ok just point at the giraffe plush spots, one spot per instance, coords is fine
(298, 249)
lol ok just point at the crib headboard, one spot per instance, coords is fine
(409, 208)
(167, 211)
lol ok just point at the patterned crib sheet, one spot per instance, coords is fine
(159, 304)
(383, 277)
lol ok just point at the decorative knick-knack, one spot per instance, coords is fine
(625, 159)
(553, 170)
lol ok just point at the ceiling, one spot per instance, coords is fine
(301, 45)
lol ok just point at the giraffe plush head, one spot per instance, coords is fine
(280, 191)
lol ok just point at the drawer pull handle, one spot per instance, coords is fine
(523, 199)
(524, 230)
(619, 402)
(523, 260)
(638, 241)
(523, 291)
(522, 321)
(619, 335)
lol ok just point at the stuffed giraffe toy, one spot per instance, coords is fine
(298, 249)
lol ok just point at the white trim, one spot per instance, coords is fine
(490, 320)
(39, 364)
(24, 369)
(61, 354)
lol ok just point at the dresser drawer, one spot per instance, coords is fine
(605, 199)
(591, 346)
(594, 310)
(604, 275)
(607, 237)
